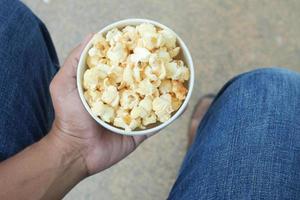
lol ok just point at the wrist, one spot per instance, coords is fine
(66, 152)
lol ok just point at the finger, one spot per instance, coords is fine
(151, 134)
(65, 79)
(138, 139)
(70, 65)
(129, 142)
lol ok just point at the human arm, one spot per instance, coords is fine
(75, 148)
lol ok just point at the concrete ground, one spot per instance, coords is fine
(225, 38)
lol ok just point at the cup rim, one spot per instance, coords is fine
(188, 60)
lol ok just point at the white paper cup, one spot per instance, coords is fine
(185, 56)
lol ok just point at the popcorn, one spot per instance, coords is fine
(145, 29)
(92, 96)
(140, 54)
(113, 36)
(155, 93)
(137, 112)
(117, 53)
(152, 41)
(124, 120)
(150, 38)
(177, 71)
(163, 55)
(133, 79)
(116, 74)
(162, 107)
(93, 52)
(179, 90)
(156, 70)
(129, 99)
(156, 83)
(92, 61)
(174, 52)
(149, 74)
(160, 71)
(169, 37)
(104, 111)
(146, 104)
(137, 74)
(150, 119)
(111, 96)
(130, 37)
(145, 87)
(165, 87)
(92, 77)
(128, 76)
(157, 63)
(176, 103)
(100, 46)
(127, 123)
(104, 68)
(143, 109)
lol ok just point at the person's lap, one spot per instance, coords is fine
(247, 146)
(27, 63)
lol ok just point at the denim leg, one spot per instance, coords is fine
(28, 62)
(248, 144)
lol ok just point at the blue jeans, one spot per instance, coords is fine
(247, 146)
(28, 62)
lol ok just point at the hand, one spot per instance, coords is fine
(77, 130)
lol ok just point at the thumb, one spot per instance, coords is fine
(65, 80)
(70, 66)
